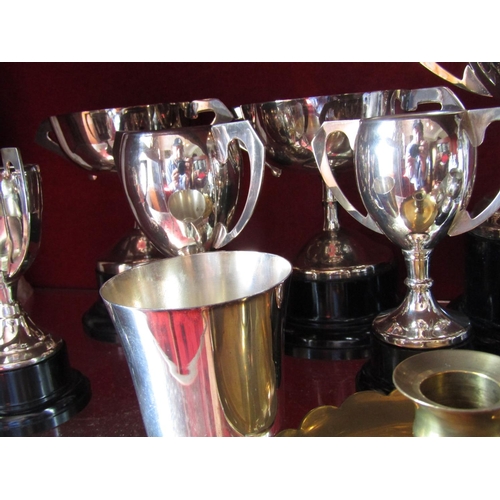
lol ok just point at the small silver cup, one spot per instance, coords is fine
(203, 339)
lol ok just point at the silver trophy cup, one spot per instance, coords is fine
(481, 297)
(203, 339)
(87, 139)
(341, 279)
(183, 185)
(38, 389)
(415, 175)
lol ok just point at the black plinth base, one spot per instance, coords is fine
(485, 332)
(376, 373)
(486, 336)
(345, 340)
(98, 325)
(38, 397)
(336, 314)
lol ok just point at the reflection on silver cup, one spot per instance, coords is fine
(203, 339)
(383, 187)
(191, 212)
(431, 201)
(481, 299)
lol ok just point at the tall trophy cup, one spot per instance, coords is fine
(341, 279)
(38, 388)
(86, 139)
(415, 195)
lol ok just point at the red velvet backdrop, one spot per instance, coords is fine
(84, 218)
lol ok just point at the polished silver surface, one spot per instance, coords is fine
(203, 339)
(22, 343)
(479, 77)
(415, 174)
(183, 185)
(87, 139)
(456, 392)
(287, 128)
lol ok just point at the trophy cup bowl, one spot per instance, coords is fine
(415, 174)
(202, 335)
(38, 388)
(87, 138)
(456, 392)
(183, 185)
(341, 279)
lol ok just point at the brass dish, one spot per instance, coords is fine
(364, 414)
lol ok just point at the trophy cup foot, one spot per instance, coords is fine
(427, 327)
(132, 250)
(40, 396)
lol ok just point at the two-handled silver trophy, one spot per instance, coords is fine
(38, 388)
(86, 139)
(481, 298)
(415, 175)
(341, 278)
(201, 328)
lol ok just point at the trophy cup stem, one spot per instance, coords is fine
(331, 219)
(420, 322)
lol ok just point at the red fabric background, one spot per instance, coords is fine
(83, 219)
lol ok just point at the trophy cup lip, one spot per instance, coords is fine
(410, 374)
(325, 96)
(413, 116)
(339, 95)
(117, 108)
(167, 131)
(161, 272)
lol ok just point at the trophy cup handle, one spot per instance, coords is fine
(43, 138)
(14, 210)
(243, 131)
(469, 81)
(222, 112)
(479, 120)
(60, 146)
(410, 99)
(350, 129)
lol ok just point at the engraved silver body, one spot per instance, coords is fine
(415, 174)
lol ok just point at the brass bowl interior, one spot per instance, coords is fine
(461, 390)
